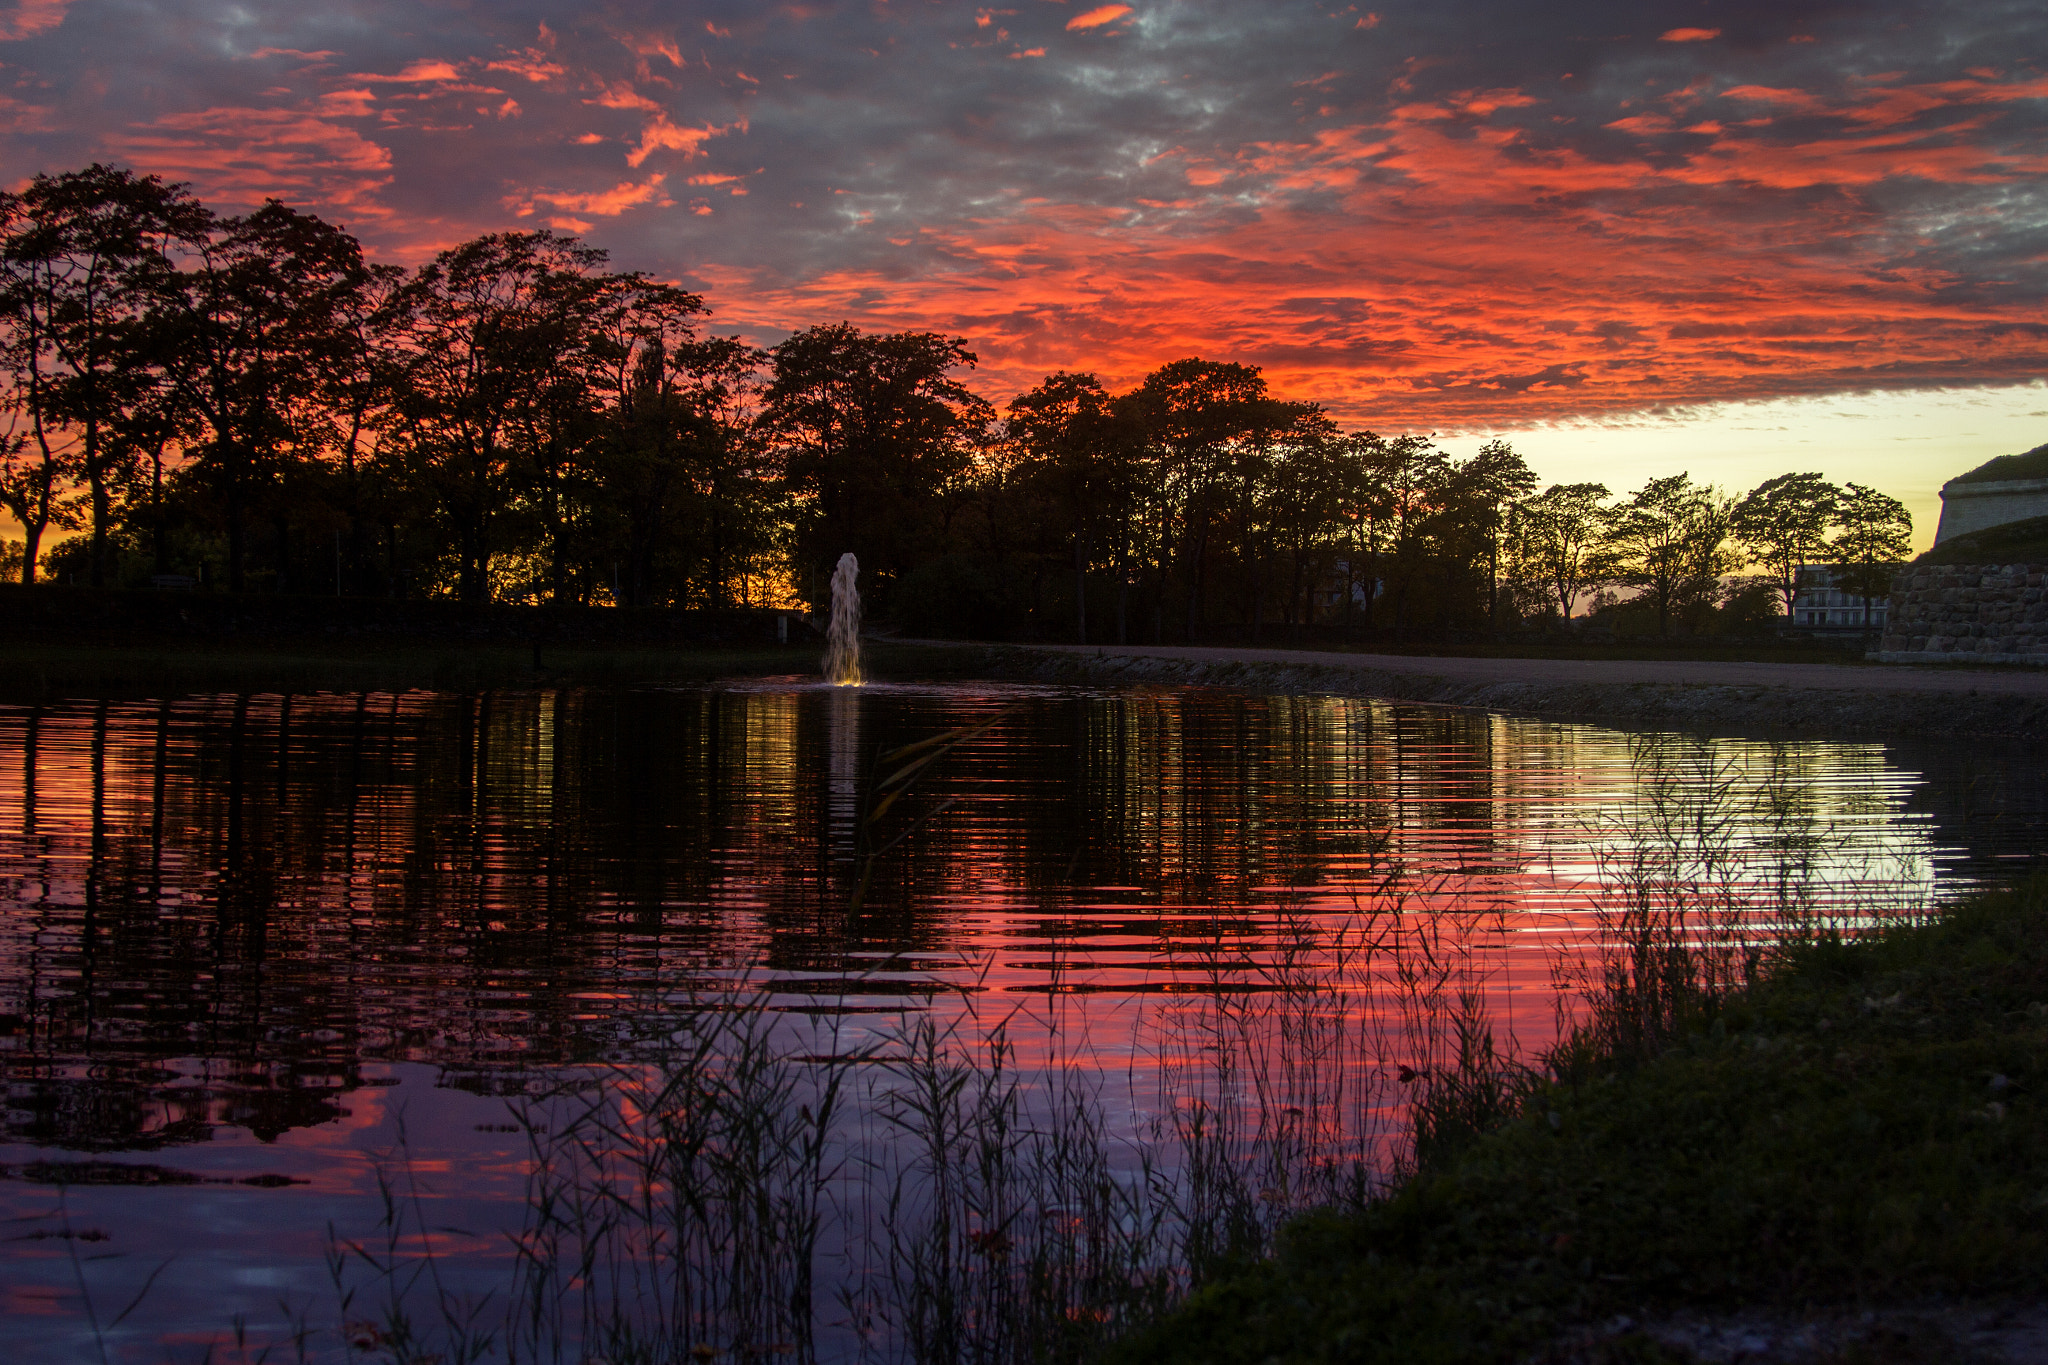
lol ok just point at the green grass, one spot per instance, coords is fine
(1863, 1127)
(36, 672)
(2012, 542)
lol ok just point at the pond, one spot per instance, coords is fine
(333, 1018)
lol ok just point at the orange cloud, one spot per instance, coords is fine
(663, 135)
(1450, 275)
(1791, 99)
(529, 66)
(1096, 18)
(605, 203)
(241, 156)
(655, 45)
(1468, 256)
(1689, 35)
(425, 71)
(263, 52)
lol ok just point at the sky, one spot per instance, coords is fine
(1632, 238)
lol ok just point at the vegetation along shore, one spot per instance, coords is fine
(1844, 1160)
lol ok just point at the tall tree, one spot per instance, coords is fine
(492, 325)
(358, 387)
(1876, 536)
(256, 332)
(33, 488)
(1413, 473)
(1211, 421)
(1782, 523)
(1555, 540)
(1475, 500)
(87, 257)
(1669, 539)
(871, 429)
(679, 455)
(33, 471)
(1308, 500)
(1067, 432)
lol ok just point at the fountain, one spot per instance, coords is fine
(842, 640)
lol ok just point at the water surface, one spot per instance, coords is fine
(286, 939)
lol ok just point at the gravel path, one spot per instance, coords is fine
(1877, 700)
(1610, 672)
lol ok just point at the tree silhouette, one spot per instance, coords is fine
(1783, 523)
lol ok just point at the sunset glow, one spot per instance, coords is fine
(1465, 219)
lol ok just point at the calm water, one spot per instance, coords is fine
(305, 939)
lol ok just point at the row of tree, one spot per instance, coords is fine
(231, 396)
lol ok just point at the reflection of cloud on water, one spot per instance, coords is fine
(505, 888)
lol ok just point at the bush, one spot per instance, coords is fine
(1753, 607)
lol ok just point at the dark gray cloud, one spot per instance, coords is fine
(1477, 192)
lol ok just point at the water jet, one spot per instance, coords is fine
(842, 640)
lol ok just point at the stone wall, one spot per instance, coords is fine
(1967, 507)
(1968, 613)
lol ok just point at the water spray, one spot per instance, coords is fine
(842, 641)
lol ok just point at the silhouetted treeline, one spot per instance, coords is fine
(247, 402)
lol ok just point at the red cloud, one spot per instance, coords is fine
(31, 17)
(1689, 35)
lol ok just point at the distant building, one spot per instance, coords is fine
(2009, 488)
(1819, 605)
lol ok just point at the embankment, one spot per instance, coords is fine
(1764, 699)
(1843, 1162)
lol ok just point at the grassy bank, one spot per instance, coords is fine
(1861, 1128)
(45, 671)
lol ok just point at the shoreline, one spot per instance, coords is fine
(1761, 700)
(1835, 1161)
(1737, 698)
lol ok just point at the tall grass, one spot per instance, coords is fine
(756, 1192)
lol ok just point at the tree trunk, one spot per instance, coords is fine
(1080, 588)
(1493, 583)
(158, 531)
(102, 510)
(236, 537)
(32, 539)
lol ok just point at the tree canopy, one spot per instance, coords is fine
(247, 400)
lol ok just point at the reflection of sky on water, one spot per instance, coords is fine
(242, 934)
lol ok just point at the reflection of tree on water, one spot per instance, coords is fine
(843, 767)
(221, 908)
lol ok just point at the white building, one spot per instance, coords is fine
(1818, 604)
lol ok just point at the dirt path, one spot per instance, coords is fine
(1583, 672)
(1877, 700)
